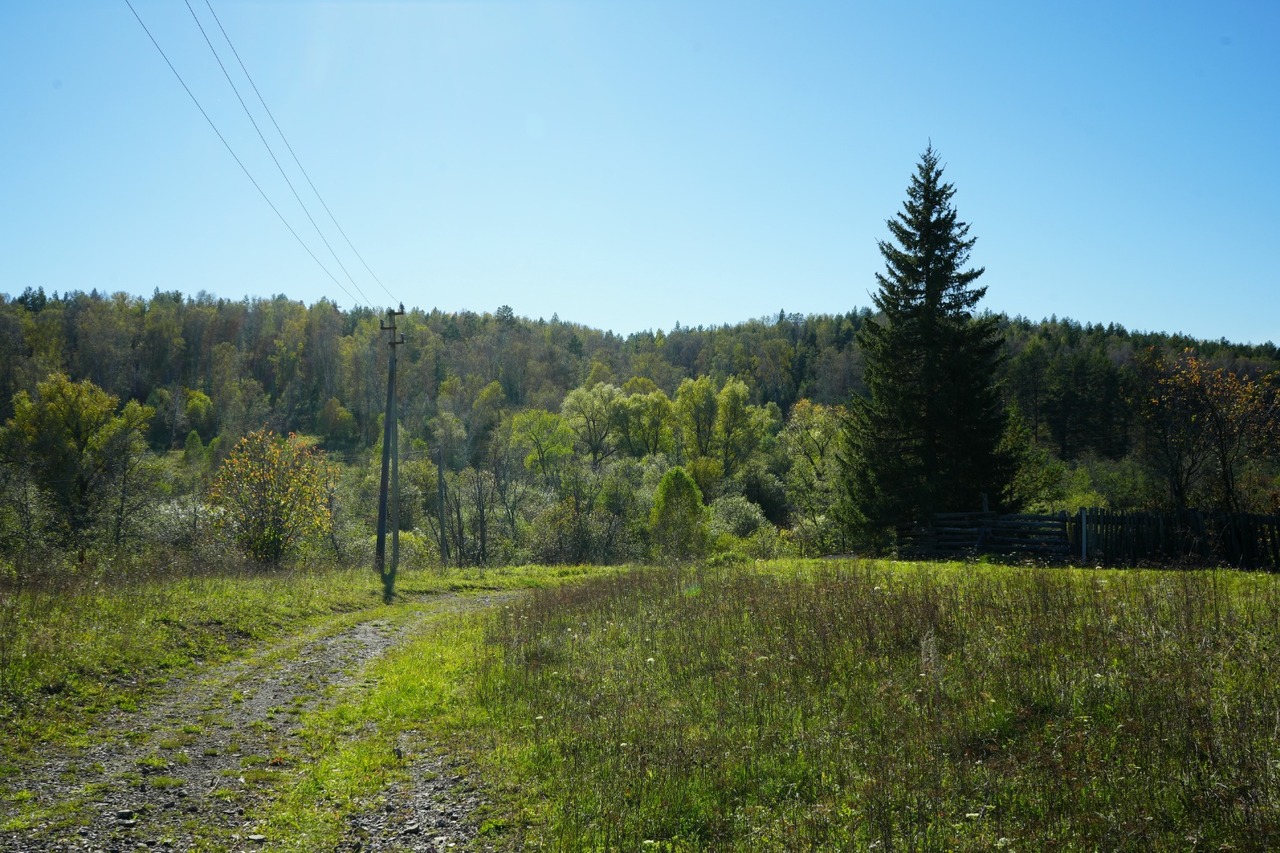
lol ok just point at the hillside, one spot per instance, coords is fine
(753, 410)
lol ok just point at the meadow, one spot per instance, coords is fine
(84, 639)
(826, 704)
(846, 705)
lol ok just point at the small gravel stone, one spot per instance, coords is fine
(215, 734)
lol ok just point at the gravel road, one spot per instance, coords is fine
(181, 771)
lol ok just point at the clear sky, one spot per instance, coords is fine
(628, 164)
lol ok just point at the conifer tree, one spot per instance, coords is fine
(926, 437)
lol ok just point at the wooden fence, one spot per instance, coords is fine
(1191, 538)
(955, 533)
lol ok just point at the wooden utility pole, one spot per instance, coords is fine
(390, 486)
(444, 535)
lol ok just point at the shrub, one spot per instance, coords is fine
(272, 493)
(677, 519)
(736, 515)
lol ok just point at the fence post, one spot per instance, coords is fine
(1084, 535)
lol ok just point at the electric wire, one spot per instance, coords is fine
(298, 162)
(272, 153)
(235, 157)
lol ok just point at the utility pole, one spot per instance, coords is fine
(444, 535)
(390, 471)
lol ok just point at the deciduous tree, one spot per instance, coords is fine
(695, 408)
(72, 442)
(547, 440)
(644, 423)
(1203, 425)
(677, 522)
(273, 493)
(591, 414)
(810, 441)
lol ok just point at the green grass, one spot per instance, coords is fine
(799, 705)
(164, 782)
(408, 700)
(36, 815)
(71, 652)
(844, 705)
(352, 744)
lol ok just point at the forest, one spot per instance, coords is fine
(557, 441)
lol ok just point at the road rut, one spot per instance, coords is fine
(183, 771)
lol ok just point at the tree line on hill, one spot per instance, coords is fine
(555, 436)
(544, 440)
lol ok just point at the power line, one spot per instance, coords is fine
(285, 139)
(232, 152)
(267, 145)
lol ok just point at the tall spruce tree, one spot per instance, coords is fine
(927, 436)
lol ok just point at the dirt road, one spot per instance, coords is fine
(183, 772)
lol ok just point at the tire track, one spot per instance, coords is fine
(182, 771)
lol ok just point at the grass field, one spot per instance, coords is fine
(854, 705)
(73, 649)
(789, 705)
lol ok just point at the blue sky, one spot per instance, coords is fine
(629, 164)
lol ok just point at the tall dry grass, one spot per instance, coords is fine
(856, 704)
